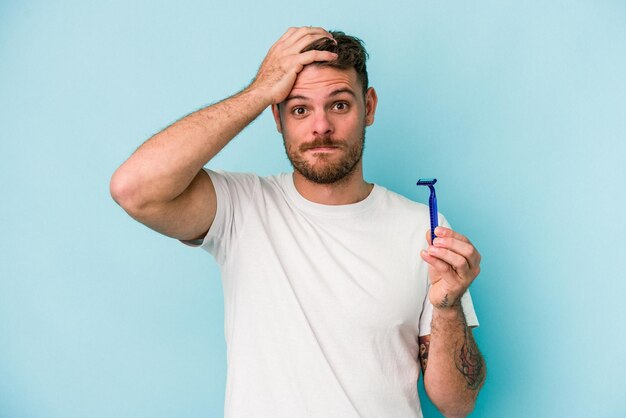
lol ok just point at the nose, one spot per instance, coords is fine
(322, 124)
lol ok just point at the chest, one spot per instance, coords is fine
(358, 273)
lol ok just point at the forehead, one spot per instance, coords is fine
(316, 80)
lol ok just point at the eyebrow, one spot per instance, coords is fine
(332, 94)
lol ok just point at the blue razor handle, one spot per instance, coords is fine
(432, 205)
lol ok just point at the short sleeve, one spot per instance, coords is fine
(427, 309)
(235, 193)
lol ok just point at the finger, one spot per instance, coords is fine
(314, 30)
(470, 252)
(428, 237)
(299, 34)
(315, 55)
(305, 41)
(292, 35)
(283, 39)
(442, 231)
(457, 262)
(439, 265)
(309, 57)
(287, 34)
(462, 248)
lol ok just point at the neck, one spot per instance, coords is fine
(351, 189)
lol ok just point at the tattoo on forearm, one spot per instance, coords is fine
(444, 303)
(470, 362)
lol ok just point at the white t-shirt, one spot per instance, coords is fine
(323, 304)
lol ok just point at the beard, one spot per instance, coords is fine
(326, 169)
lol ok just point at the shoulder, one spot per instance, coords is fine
(276, 180)
(247, 185)
(397, 208)
(228, 181)
(402, 204)
(232, 176)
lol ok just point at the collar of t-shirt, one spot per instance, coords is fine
(339, 211)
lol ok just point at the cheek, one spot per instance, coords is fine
(291, 137)
(349, 124)
(294, 129)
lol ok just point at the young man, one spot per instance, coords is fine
(333, 291)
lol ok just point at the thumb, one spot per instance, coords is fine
(428, 237)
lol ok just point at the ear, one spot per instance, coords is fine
(276, 113)
(371, 100)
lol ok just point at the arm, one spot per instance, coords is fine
(454, 370)
(163, 185)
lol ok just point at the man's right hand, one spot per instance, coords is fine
(284, 61)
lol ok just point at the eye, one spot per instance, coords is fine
(298, 111)
(341, 106)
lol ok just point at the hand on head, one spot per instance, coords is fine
(284, 61)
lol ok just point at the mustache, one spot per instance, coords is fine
(320, 142)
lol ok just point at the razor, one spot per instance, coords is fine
(432, 205)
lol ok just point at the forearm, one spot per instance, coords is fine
(456, 369)
(164, 166)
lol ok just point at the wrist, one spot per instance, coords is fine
(257, 95)
(449, 312)
(261, 93)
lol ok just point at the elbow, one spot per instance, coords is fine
(456, 412)
(456, 409)
(452, 404)
(124, 192)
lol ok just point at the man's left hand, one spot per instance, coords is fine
(454, 264)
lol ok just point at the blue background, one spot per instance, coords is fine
(518, 108)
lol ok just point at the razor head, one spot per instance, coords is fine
(426, 182)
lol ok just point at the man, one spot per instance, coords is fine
(329, 308)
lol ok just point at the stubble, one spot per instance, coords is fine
(325, 170)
